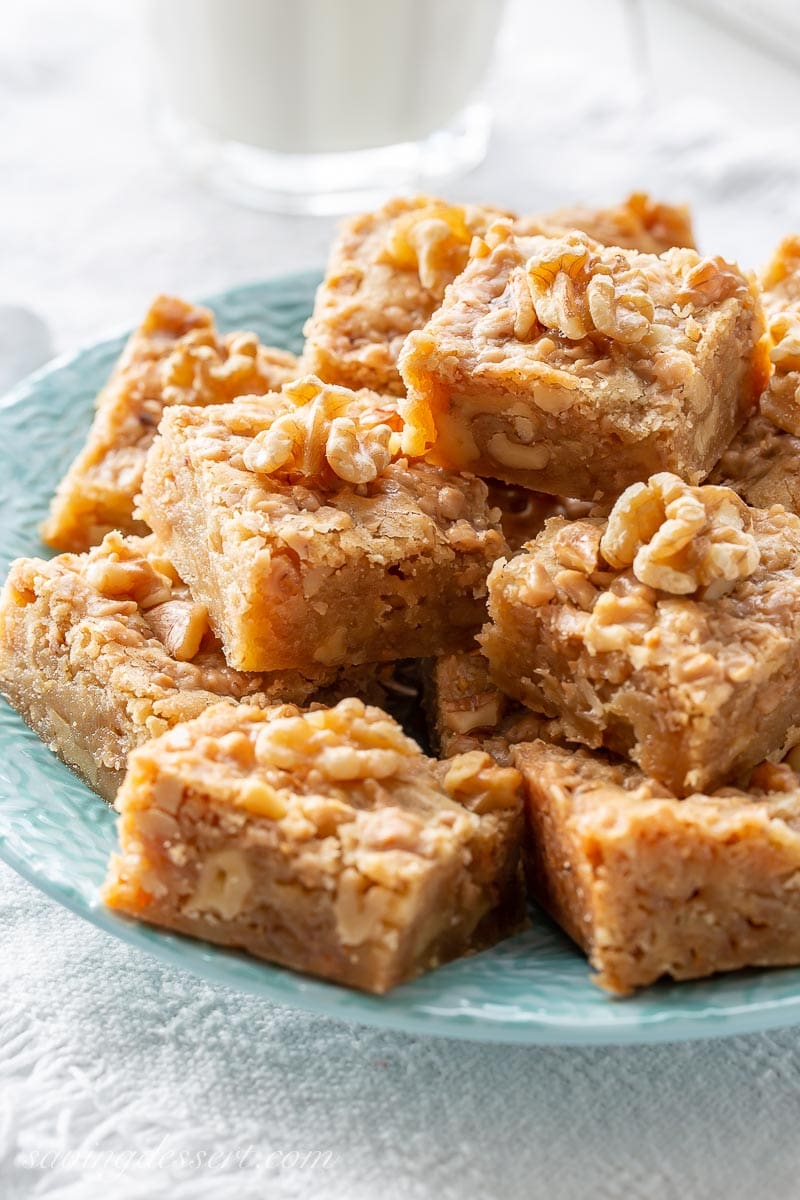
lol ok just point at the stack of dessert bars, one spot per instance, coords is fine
(554, 461)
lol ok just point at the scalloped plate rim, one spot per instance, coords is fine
(625, 1022)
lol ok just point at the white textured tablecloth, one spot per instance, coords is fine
(120, 1076)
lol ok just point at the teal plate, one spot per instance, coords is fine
(54, 831)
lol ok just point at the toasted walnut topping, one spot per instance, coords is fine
(784, 332)
(577, 547)
(482, 711)
(536, 587)
(180, 625)
(681, 539)
(136, 578)
(345, 743)
(625, 315)
(522, 304)
(262, 800)
(393, 828)
(619, 621)
(317, 433)
(355, 455)
(558, 273)
(451, 504)
(435, 239)
(576, 587)
(200, 367)
(709, 282)
(477, 782)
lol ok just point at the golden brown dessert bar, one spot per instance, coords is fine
(326, 842)
(174, 357)
(309, 541)
(638, 223)
(781, 283)
(652, 886)
(762, 462)
(387, 273)
(467, 711)
(669, 633)
(100, 652)
(575, 369)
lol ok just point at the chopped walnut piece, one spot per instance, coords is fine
(537, 588)
(784, 331)
(345, 743)
(435, 239)
(317, 432)
(619, 621)
(711, 281)
(522, 303)
(577, 547)
(223, 885)
(558, 272)
(623, 315)
(180, 625)
(121, 575)
(476, 780)
(358, 455)
(681, 539)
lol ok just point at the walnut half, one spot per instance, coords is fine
(321, 430)
(681, 539)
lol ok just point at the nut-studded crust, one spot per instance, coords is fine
(694, 687)
(326, 842)
(300, 570)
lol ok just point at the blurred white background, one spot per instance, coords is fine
(94, 218)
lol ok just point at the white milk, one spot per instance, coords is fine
(321, 76)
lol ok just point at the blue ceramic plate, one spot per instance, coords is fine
(534, 988)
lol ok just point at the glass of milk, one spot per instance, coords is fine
(323, 105)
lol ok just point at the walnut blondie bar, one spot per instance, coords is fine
(324, 841)
(781, 283)
(309, 541)
(174, 357)
(652, 886)
(578, 369)
(100, 652)
(669, 632)
(762, 462)
(388, 271)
